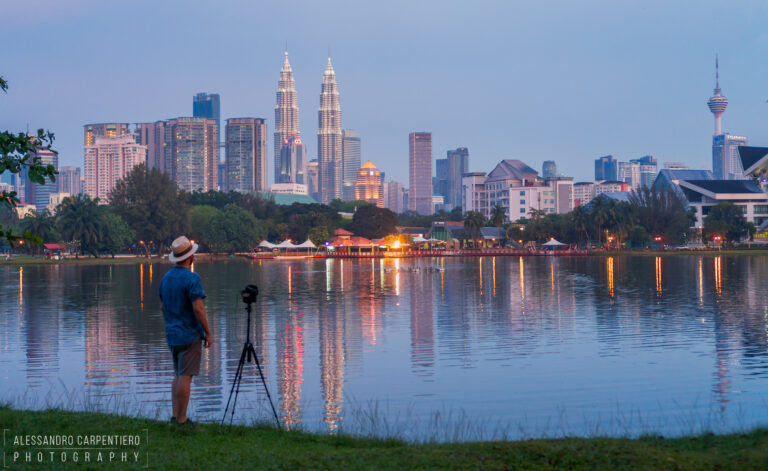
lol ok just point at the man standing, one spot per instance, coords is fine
(186, 325)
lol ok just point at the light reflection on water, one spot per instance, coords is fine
(542, 344)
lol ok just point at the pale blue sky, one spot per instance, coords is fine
(561, 80)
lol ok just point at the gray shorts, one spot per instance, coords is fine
(186, 358)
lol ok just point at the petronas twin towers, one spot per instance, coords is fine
(290, 153)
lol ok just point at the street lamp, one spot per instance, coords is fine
(658, 241)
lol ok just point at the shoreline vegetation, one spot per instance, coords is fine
(22, 260)
(211, 446)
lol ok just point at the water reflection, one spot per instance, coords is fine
(576, 334)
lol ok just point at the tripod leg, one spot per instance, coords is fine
(235, 382)
(264, 382)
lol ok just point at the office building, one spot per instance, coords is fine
(350, 156)
(152, 135)
(35, 193)
(458, 165)
(286, 114)
(68, 180)
(394, 196)
(108, 161)
(369, 185)
(313, 168)
(329, 145)
(207, 105)
(293, 162)
(92, 131)
(440, 182)
(246, 155)
(420, 172)
(606, 168)
(726, 164)
(191, 153)
(518, 189)
(549, 169)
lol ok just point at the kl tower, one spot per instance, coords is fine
(718, 102)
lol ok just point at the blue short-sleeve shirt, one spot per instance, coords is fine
(178, 290)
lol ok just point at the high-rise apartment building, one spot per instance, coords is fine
(369, 185)
(549, 169)
(286, 113)
(458, 165)
(420, 172)
(92, 131)
(726, 163)
(293, 162)
(108, 161)
(38, 194)
(152, 135)
(68, 180)
(350, 156)
(191, 153)
(394, 196)
(246, 155)
(329, 138)
(606, 168)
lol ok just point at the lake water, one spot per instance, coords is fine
(492, 347)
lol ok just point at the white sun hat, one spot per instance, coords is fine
(182, 249)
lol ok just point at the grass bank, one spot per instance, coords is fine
(24, 260)
(213, 447)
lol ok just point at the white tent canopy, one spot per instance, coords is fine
(306, 245)
(419, 239)
(266, 244)
(553, 243)
(285, 245)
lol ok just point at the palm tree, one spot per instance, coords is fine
(42, 225)
(581, 221)
(473, 222)
(498, 214)
(80, 221)
(600, 214)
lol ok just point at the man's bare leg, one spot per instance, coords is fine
(181, 395)
(174, 402)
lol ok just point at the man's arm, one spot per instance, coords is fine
(197, 306)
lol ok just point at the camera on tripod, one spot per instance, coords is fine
(249, 294)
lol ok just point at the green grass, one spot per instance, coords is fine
(23, 260)
(262, 447)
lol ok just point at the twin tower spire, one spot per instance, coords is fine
(290, 152)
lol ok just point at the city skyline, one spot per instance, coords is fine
(564, 81)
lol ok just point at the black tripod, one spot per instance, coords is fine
(248, 355)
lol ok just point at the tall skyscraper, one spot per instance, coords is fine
(440, 183)
(329, 146)
(152, 135)
(36, 193)
(458, 165)
(350, 156)
(420, 172)
(394, 196)
(68, 180)
(549, 169)
(313, 168)
(718, 102)
(92, 131)
(369, 185)
(286, 112)
(293, 162)
(191, 153)
(108, 161)
(246, 155)
(726, 164)
(207, 105)
(606, 168)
